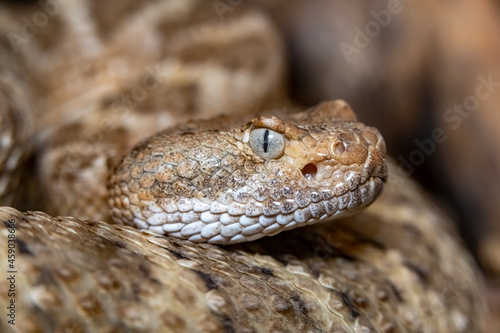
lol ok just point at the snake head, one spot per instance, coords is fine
(321, 139)
(223, 182)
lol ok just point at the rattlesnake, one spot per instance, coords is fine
(213, 181)
(125, 70)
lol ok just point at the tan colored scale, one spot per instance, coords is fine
(16, 124)
(105, 75)
(394, 267)
(177, 184)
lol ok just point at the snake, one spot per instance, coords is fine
(147, 229)
(249, 181)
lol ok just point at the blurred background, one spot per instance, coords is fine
(427, 74)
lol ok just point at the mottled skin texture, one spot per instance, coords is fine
(16, 125)
(206, 183)
(105, 75)
(394, 267)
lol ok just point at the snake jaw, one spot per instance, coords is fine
(217, 188)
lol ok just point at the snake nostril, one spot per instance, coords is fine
(309, 171)
(337, 148)
(340, 148)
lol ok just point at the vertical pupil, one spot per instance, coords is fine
(266, 141)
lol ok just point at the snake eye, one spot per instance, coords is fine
(267, 143)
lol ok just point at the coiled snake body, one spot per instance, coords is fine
(110, 81)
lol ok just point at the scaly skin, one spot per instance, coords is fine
(394, 267)
(16, 124)
(206, 184)
(105, 75)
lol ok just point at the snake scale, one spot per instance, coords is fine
(84, 83)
